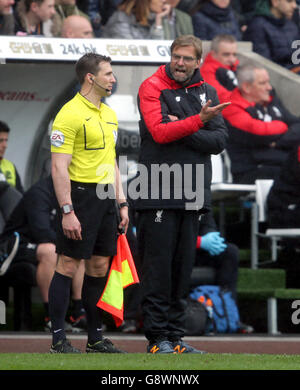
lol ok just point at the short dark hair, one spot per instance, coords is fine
(188, 40)
(89, 63)
(4, 127)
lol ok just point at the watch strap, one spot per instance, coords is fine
(123, 204)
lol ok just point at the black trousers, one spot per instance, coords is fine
(166, 241)
(226, 266)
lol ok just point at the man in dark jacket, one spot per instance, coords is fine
(220, 65)
(283, 202)
(179, 130)
(261, 129)
(212, 250)
(272, 31)
(215, 17)
(283, 212)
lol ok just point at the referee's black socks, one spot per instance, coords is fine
(91, 291)
(59, 296)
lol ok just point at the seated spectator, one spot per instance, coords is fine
(283, 202)
(65, 8)
(272, 31)
(137, 19)
(36, 17)
(261, 129)
(8, 171)
(244, 9)
(220, 65)
(283, 211)
(99, 11)
(76, 26)
(34, 219)
(7, 21)
(215, 17)
(189, 5)
(213, 251)
(177, 22)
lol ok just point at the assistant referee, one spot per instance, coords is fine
(83, 158)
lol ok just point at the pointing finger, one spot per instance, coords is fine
(222, 106)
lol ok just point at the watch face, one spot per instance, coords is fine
(67, 208)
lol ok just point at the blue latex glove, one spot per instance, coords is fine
(213, 243)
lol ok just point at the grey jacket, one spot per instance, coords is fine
(123, 26)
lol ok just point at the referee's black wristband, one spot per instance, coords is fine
(123, 204)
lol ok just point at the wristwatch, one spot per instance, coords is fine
(123, 204)
(67, 208)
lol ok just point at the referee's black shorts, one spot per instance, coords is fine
(98, 224)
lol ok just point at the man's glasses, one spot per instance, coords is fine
(186, 60)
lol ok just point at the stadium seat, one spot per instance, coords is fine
(259, 217)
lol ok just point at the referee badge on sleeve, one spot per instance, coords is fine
(57, 138)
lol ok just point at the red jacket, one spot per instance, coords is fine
(220, 76)
(151, 111)
(238, 116)
(254, 128)
(184, 142)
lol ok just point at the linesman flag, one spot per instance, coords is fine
(121, 275)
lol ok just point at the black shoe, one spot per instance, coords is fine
(245, 329)
(63, 346)
(163, 346)
(103, 346)
(8, 250)
(180, 346)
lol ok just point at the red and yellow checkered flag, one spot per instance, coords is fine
(121, 275)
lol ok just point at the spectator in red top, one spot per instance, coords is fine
(261, 130)
(220, 65)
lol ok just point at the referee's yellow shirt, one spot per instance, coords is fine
(89, 134)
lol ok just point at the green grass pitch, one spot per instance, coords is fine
(143, 361)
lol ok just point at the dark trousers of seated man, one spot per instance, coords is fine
(226, 266)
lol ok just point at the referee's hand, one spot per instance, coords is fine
(124, 219)
(71, 226)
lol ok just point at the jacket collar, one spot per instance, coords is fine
(237, 99)
(213, 11)
(195, 81)
(209, 59)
